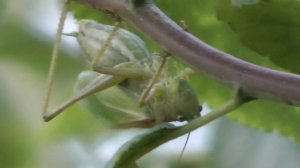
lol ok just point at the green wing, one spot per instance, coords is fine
(115, 105)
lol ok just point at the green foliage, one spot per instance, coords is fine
(270, 117)
(271, 28)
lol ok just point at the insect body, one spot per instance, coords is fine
(119, 78)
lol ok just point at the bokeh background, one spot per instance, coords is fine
(76, 139)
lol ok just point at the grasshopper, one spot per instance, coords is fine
(119, 78)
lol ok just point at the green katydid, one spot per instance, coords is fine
(128, 87)
(123, 65)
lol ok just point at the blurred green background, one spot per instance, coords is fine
(77, 140)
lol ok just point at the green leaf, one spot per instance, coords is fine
(269, 27)
(270, 117)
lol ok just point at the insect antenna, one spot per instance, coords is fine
(183, 149)
(154, 79)
(54, 57)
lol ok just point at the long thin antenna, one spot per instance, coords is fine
(183, 149)
(106, 44)
(153, 80)
(55, 54)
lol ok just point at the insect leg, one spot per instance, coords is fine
(100, 83)
(55, 55)
(127, 69)
(154, 79)
(105, 45)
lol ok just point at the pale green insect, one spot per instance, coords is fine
(124, 70)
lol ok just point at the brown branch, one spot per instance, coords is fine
(254, 80)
